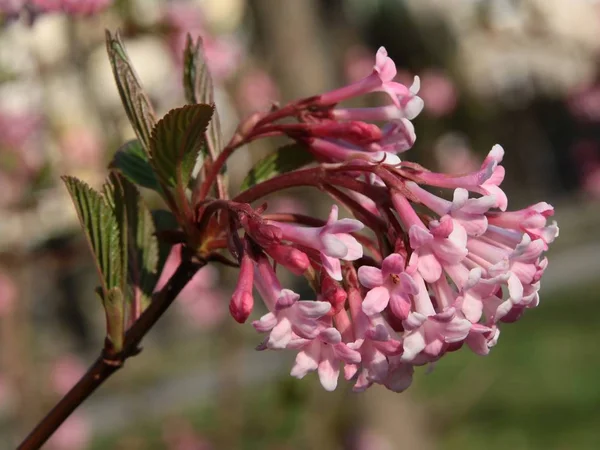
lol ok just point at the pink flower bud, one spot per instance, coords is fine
(354, 131)
(263, 233)
(332, 292)
(242, 301)
(291, 258)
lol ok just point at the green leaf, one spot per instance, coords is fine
(133, 162)
(285, 159)
(198, 86)
(176, 141)
(102, 231)
(137, 104)
(114, 308)
(142, 245)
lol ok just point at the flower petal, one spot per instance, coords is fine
(376, 300)
(280, 335)
(355, 250)
(393, 264)
(332, 266)
(370, 277)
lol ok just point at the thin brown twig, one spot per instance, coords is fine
(107, 363)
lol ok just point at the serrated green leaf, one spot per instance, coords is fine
(137, 104)
(142, 245)
(176, 141)
(284, 159)
(133, 162)
(199, 88)
(114, 308)
(102, 231)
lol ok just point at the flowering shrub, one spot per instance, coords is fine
(430, 262)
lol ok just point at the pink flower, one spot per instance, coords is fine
(486, 181)
(531, 220)
(339, 151)
(375, 340)
(390, 284)
(332, 240)
(467, 212)
(428, 331)
(326, 353)
(288, 315)
(404, 99)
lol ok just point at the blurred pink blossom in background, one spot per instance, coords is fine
(73, 434)
(11, 7)
(65, 372)
(438, 92)
(586, 155)
(73, 7)
(454, 156)
(256, 90)
(8, 293)
(81, 147)
(17, 128)
(287, 204)
(584, 103)
(179, 434)
(203, 304)
(223, 54)
(358, 63)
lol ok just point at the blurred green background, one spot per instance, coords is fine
(522, 73)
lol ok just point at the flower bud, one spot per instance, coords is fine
(242, 301)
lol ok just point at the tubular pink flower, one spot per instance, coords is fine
(404, 99)
(470, 213)
(340, 152)
(398, 136)
(428, 331)
(325, 354)
(332, 240)
(486, 181)
(390, 284)
(444, 243)
(375, 340)
(531, 220)
(482, 338)
(287, 314)
(242, 301)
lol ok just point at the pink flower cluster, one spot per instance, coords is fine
(72, 7)
(12, 8)
(441, 271)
